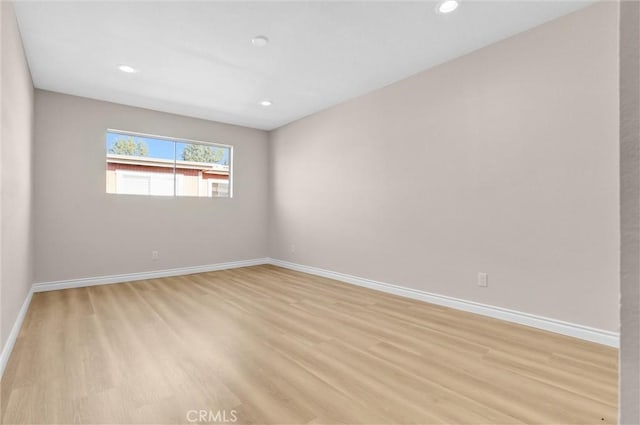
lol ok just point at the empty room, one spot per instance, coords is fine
(320, 212)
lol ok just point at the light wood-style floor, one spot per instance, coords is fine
(268, 345)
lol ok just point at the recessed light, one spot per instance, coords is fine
(447, 6)
(128, 69)
(259, 41)
(266, 103)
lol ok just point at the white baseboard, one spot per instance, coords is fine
(565, 328)
(104, 280)
(129, 277)
(548, 324)
(15, 331)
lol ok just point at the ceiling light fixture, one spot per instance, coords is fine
(259, 41)
(447, 6)
(128, 69)
(266, 103)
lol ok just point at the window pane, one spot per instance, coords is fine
(202, 170)
(140, 165)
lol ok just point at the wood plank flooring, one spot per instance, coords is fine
(268, 345)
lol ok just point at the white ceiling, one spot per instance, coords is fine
(196, 58)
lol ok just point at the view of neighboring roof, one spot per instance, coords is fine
(169, 163)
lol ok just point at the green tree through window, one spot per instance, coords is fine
(202, 153)
(129, 146)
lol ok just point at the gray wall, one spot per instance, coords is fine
(630, 211)
(503, 161)
(16, 248)
(81, 231)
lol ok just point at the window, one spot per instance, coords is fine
(150, 165)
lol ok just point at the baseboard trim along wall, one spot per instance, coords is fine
(130, 277)
(565, 328)
(15, 331)
(105, 280)
(545, 323)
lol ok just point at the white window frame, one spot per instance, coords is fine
(210, 183)
(182, 140)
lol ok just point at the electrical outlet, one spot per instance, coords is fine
(293, 248)
(154, 255)
(483, 279)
